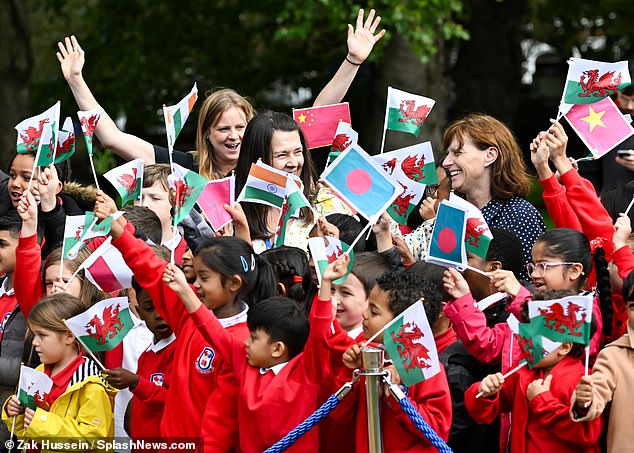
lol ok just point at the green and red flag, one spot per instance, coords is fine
(589, 81)
(30, 131)
(176, 115)
(565, 320)
(345, 136)
(46, 150)
(80, 229)
(319, 124)
(478, 236)
(88, 120)
(294, 200)
(127, 179)
(65, 141)
(188, 186)
(534, 346)
(406, 112)
(264, 185)
(447, 247)
(410, 344)
(325, 250)
(103, 326)
(34, 388)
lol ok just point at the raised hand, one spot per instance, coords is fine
(361, 39)
(427, 209)
(175, 279)
(539, 156)
(403, 250)
(491, 384)
(455, 284)
(48, 185)
(240, 224)
(557, 140)
(336, 269)
(505, 281)
(71, 57)
(622, 231)
(325, 228)
(27, 209)
(352, 357)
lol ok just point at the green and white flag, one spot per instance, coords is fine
(293, 201)
(478, 236)
(65, 141)
(88, 120)
(589, 81)
(77, 235)
(127, 179)
(410, 344)
(30, 131)
(534, 346)
(104, 325)
(325, 250)
(46, 150)
(406, 112)
(34, 388)
(564, 320)
(176, 115)
(188, 186)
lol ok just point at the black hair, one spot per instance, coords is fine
(368, 267)
(433, 273)
(145, 221)
(283, 320)
(231, 256)
(571, 245)
(604, 290)
(506, 248)
(12, 223)
(349, 229)
(289, 263)
(63, 168)
(616, 200)
(628, 288)
(406, 288)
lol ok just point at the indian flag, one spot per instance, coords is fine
(406, 112)
(103, 326)
(176, 115)
(325, 250)
(34, 388)
(409, 342)
(127, 179)
(188, 186)
(293, 201)
(30, 130)
(565, 320)
(589, 81)
(478, 236)
(65, 141)
(264, 185)
(534, 346)
(106, 268)
(88, 120)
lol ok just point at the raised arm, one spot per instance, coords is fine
(126, 146)
(361, 40)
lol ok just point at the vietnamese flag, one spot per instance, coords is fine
(600, 126)
(447, 246)
(319, 124)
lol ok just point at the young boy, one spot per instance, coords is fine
(150, 383)
(394, 293)
(278, 383)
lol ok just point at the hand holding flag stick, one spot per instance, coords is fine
(507, 374)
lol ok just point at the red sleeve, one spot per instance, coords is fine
(483, 342)
(515, 307)
(486, 410)
(317, 346)
(558, 205)
(148, 392)
(624, 260)
(338, 342)
(27, 281)
(219, 428)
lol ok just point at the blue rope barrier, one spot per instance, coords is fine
(421, 424)
(305, 426)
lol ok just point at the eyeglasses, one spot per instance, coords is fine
(541, 267)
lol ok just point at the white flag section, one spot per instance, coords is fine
(34, 388)
(106, 268)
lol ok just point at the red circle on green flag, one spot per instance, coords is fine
(358, 181)
(447, 240)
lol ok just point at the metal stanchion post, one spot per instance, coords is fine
(372, 362)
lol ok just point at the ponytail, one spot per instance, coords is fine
(604, 290)
(291, 268)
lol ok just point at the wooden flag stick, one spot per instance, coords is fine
(518, 367)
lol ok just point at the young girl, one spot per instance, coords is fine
(80, 402)
(294, 279)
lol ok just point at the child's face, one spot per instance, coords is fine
(153, 320)
(554, 275)
(478, 283)
(19, 176)
(188, 266)
(259, 349)
(50, 276)
(8, 245)
(50, 346)
(551, 359)
(351, 302)
(378, 313)
(156, 197)
(210, 288)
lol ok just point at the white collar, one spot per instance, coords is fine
(173, 243)
(354, 333)
(275, 368)
(235, 319)
(161, 344)
(490, 300)
(4, 291)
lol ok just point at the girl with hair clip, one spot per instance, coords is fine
(80, 401)
(294, 279)
(230, 276)
(224, 114)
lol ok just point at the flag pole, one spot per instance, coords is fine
(585, 369)
(17, 388)
(359, 236)
(87, 349)
(629, 206)
(383, 139)
(518, 367)
(94, 173)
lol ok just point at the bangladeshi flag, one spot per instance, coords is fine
(534, 346)
(478, 236)
(176, 115)
(565, 320)
(319, 124)
(447, 246)
(104, 325)
(406, 112)
(293, 202)
(188, 186)
(88, 120)
(65, 141)
(410, 344)
(30, 131)
(325, 250)
(127, 179)
(34, 388)
(589, 81)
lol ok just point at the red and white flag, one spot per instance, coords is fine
(106, 268)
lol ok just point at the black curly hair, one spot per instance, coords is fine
(406, 288)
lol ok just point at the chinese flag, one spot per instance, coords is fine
(319, 124)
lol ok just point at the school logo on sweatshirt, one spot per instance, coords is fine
(157, 379)
(205, 360)
(3, 323)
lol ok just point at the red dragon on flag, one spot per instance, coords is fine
(89, 124)
(476, 227)
(413, 353)
(417, 115)
(597, 86)
(413, 168)
(107, 327)
(556, 319)
(390, 165)
(31, 136)
(341, 142)
(129, 182)
(401, 203)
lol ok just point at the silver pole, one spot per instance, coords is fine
(372, 362)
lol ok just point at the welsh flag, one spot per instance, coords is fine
(410, 344)
(46, 150)
(264, 185)
(106, 268)
(406, 112)
(30, 131)
(77, 235)
(216, 194)
(565, 320)
(344, 137)
(88, 120)
(589, 81)
(176, 115)
(319, 124)
(34, 388)
(103, 326)
(127, 179)
(188, 186)
(65, 141)
(325, 250)
(601, 126)
(293, 201)
(361, 183)
(447, 247)
(533, 345)
(478, 236)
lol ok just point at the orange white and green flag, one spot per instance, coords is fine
(264, 185)
(176, 115)
(406, 112)
(30, 131)
(34, 388)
